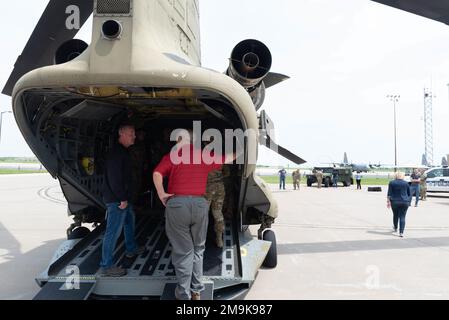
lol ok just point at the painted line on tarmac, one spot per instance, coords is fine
(44, 193)
(316, 226)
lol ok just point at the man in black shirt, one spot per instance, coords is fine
(117, 194)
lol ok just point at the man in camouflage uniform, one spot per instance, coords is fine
(319, 178)
(228, 207)
(215, 195)
(423, 186)
(296, 175)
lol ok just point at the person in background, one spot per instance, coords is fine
(335, 178)
(296, 175)
(423, 186)
(415, 180)
(282, 173)
(398, 199)
(358, 179)
(319, 178)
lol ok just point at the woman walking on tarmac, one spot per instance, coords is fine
(399, 198)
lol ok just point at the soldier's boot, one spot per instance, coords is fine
(219, 229)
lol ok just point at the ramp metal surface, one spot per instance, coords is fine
(64, 291)
(156, 260)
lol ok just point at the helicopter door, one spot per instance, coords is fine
(267, 138)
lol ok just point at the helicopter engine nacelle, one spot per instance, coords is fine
(69, 50)
(250, 63)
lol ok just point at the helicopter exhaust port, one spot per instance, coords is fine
(111, 30)
(250, 63)
(69, 50)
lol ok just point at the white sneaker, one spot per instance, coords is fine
(401, 235)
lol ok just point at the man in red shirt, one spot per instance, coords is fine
(187, 211)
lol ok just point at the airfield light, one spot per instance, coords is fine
(395, 99)
(1, 119)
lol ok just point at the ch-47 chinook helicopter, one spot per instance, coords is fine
(143, 63)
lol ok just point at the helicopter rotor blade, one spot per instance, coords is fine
(53, 29)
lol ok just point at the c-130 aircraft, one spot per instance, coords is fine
(143, 64)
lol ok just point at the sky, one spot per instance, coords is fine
(343, 56)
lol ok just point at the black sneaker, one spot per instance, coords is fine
(114, 272)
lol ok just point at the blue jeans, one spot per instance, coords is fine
(335, 182)
(117, 220)
(414, 189)
(282, 183)
(399, 212)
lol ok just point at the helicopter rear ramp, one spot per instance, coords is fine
(148, 274)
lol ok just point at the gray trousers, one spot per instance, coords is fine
(186, 221)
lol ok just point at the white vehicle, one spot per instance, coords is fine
(438, 179)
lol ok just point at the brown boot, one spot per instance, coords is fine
(114, 272)
(196, 296)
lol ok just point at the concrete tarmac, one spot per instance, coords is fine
(338, 244)
(33, 222)
(332, 243)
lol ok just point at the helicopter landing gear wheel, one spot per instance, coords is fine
(78, 233)
(271, 260)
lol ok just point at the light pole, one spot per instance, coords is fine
(395, 99)
(1, 120)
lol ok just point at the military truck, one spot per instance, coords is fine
(344, 176)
